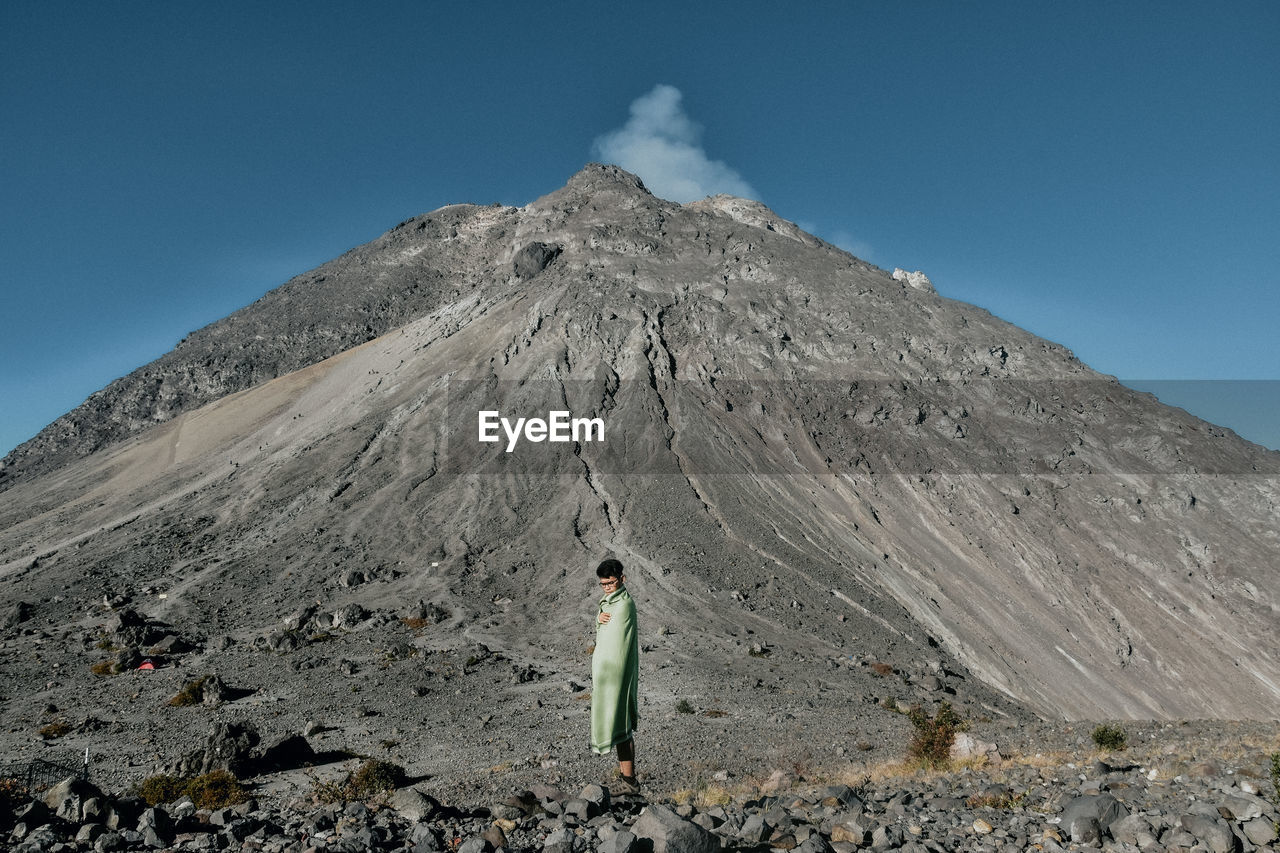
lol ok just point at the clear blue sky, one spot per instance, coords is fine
(1105, 175)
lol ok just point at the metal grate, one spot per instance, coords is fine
(39, 774)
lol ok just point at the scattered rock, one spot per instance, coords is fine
(671, 833)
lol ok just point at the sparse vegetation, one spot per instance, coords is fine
(373, 779)
(415, 623)
(1275, 784)
(715, 713)
(703, 796)
(214, 790)
(12, 793)
(1109, 737)
(931, 746)
(191, 693)
(881, 669)
(102, 667)
(1007, 800)
(157, 790)
(55, 730)
(684, 707)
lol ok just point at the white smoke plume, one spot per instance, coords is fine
(662, 145)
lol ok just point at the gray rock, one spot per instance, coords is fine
(815, 843)
(1084, 829)
(885, 837)
(671, 833)
(156, 824)
(622, 841)
(841, 796)
(349, 616)
(89, 833)
(110, 842)
(1130, 829)
(228, 746)
(597, 795)
(534, 258)
(1259, 831)
(563, 841)
(755, 829)
(581, 809)
(424, 838)
(1103, 808)
(286, 752)
(68, 797)
(1244, 806)
(1215, 834)
(495, 837)
(213, 691)
(15, 614)
(506, 811)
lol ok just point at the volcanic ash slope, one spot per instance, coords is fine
(803, 457)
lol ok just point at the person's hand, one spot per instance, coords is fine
(603, 618)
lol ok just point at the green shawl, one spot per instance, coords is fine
(615, 673)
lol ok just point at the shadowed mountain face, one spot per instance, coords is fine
(795, 446)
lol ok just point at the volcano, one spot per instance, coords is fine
(830, 485)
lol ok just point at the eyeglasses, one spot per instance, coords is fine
(609, 582)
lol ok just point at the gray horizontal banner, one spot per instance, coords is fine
(739, 427)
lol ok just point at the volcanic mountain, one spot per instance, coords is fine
(830, 485)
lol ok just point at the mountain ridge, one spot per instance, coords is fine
(804, 457)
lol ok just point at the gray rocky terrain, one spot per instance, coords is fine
(837, 492)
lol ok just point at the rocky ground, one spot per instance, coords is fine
(1187, 786)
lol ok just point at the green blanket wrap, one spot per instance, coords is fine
(615, 673)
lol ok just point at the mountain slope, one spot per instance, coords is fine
(802, 456)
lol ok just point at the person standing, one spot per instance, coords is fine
(615, 673)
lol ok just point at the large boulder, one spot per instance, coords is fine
(1214, 833)
(414, 805)
(288, 752)
(1102, 809)
(670, 833)
(68, 797)
(228, 746)
(15, 614)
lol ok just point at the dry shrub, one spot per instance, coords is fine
(931, 746)
(55, 730)
(157, 790)
(881, 669)
(372, 779)
(1109, 737)
(214, 790)
(13, 793)
(1003, 801)
(102, 667)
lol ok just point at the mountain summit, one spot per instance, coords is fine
(826, 483)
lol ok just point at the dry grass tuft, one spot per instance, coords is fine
(55, 730)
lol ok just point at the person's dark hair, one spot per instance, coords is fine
(609, 568)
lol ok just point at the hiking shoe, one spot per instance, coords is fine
(626, 785)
